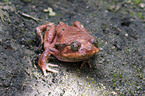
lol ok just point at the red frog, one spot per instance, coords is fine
(66, 43)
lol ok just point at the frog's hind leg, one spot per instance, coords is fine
(49, 41)
(39, 31)
(80, 26)
(49, 32)
(50, 36)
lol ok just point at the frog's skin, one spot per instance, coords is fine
(66, 43)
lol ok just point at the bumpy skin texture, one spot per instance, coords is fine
(66, 43)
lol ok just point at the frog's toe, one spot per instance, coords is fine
(51, 70)
(51, 65)
(46, 68)
(44, 71)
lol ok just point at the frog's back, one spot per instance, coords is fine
(68, 34)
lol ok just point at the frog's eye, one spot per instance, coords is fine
(75, 46)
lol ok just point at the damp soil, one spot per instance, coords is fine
(118, 69)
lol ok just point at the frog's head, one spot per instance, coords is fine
(79, 50)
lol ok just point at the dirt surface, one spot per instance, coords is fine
(118, 69)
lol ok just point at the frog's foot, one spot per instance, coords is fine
(84, 62)
(44, 68)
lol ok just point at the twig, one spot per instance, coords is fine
(29, 16)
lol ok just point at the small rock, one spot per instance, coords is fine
(1, 40)
(142, 5)
(51, 12)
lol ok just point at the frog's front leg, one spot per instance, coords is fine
(84, 62)
(49, 41)
(43, 62)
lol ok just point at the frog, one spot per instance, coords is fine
(67, 43)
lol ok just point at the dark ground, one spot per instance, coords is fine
(118, 69)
